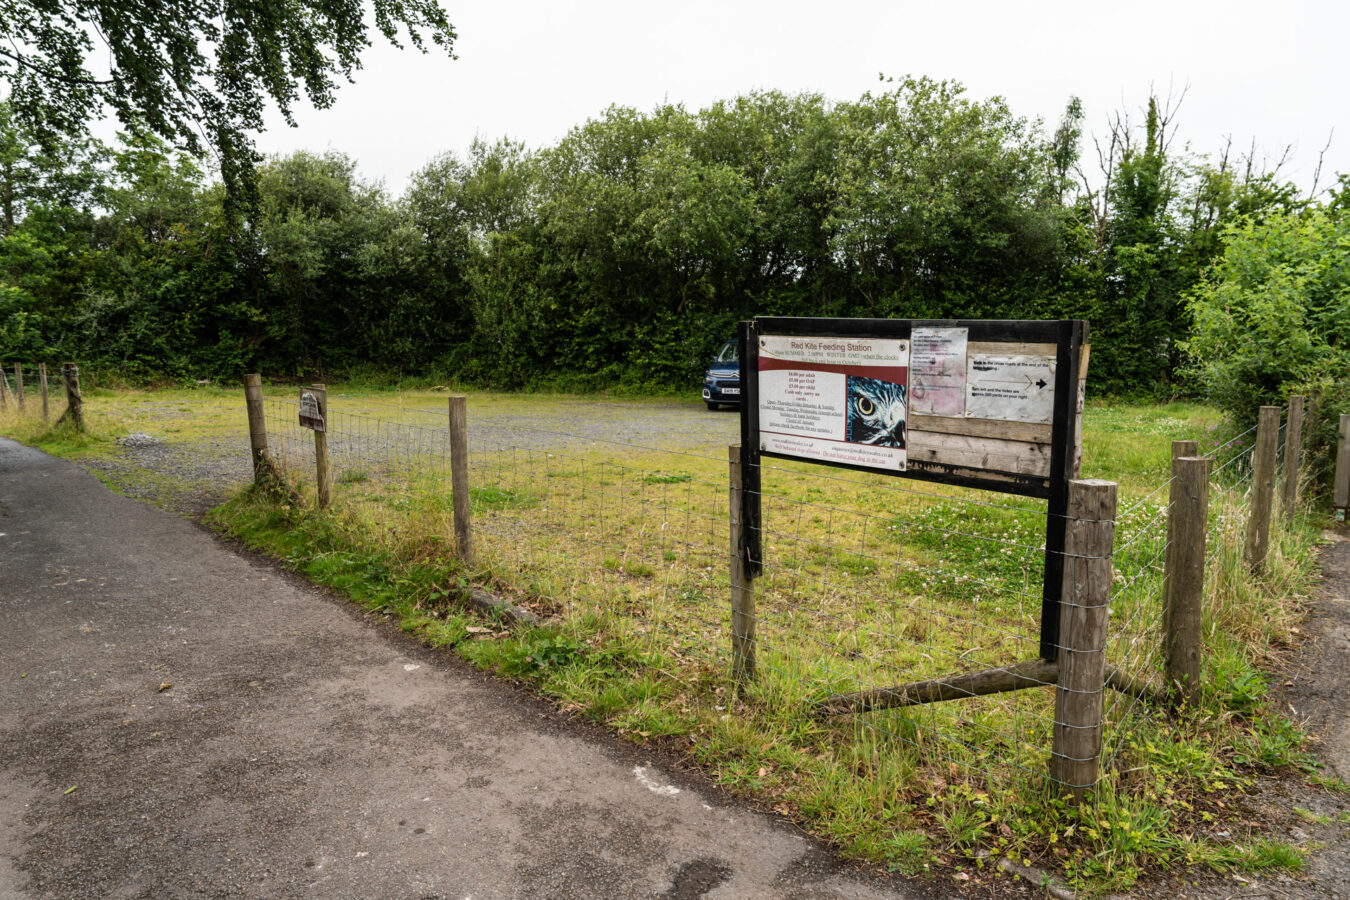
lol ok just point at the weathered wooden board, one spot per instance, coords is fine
(1018, 448)
(982, 428)
(1030, 485)
(1016, 348)
(1016, 457)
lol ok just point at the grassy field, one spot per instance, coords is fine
(609, 520)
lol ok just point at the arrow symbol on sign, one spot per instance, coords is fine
(1041, 383)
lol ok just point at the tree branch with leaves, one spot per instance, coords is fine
(197, 73)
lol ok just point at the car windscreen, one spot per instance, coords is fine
(729, 352)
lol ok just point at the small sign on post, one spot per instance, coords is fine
(834, 400)
(314, 408)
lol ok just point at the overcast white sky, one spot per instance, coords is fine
(530, 70)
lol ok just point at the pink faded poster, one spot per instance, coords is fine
(937, 371)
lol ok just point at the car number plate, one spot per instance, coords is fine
(735, 392)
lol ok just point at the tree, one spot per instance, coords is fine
(158, 292)
(47, 203)
(1273, 315)
(69, 174)
(1157, 218)
(941, 204)
(193, 72)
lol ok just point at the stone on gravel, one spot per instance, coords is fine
(138, 439)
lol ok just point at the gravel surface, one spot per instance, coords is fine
(191, 477)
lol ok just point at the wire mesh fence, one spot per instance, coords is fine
(868, 581)
(32, 390)
(1136, 639)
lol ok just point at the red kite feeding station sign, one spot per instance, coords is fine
(837, 400)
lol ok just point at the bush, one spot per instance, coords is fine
(1273, 315)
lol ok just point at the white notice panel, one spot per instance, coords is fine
(1014, 388)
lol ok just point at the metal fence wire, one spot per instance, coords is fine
(21, 393)
(868, 581)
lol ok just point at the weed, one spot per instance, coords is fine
(1308, 815)
(538, 653)
(499, 498)
(1233, 681)
(1330, 783)
(1260, 854)
(1272, 742)
(665, 478)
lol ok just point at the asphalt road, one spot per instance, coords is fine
(180, 720)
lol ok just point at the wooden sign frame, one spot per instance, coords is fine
(1025, 459)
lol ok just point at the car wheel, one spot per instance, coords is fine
(712, 404)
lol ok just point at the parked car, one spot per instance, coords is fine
(722, 380)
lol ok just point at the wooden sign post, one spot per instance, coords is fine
(314, 415)
(1075, 756)
(743, 618)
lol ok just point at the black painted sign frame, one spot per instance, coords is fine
(1068, 335)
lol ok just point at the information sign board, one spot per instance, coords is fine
(938, 371)
(1011, 387)
(979, 403)
(987, 404)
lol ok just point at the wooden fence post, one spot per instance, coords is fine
(4, 390)
(1293, 453)
(1180, 449)
(323, 479)
(1341, 494)
(459, 477)
(1263, 487)
(257, 426)
(42, 384)
(74, 399)
(1184, 578)
(18, 385)
(742, 582)
(1075, 760)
